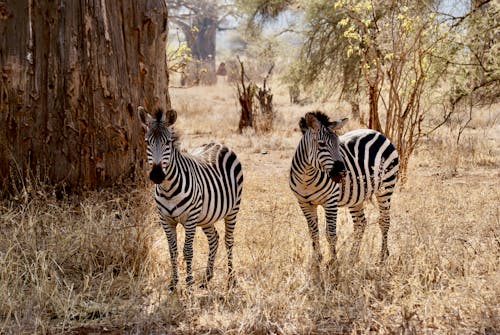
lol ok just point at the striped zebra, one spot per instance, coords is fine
(193, 189)
(334, 171)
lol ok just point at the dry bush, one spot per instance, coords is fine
(99, 263)
(65, 263)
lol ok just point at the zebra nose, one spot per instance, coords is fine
(337, 171)
(338, 167)
(156, 175)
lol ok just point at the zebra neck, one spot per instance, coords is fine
(302, 168)
(175, 172)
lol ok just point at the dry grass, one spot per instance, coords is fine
(99, 263)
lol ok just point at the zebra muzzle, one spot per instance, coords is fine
(157, 175)
(337, 173)
(338, 177)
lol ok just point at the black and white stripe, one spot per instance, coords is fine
(195, 189)
(333, 171)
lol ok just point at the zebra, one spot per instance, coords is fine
(347, 170)
(194, 189)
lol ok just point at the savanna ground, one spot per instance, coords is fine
(99, 263)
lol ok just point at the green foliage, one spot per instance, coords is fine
(263, 10)
(475, 66)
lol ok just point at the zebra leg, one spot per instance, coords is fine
(359, 224)
(190, 228)
(170, 229)
(230, 222)
(331, 210)
(384, 205)
(213, 243)
(311, 214)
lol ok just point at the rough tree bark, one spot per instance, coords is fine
(72, 76)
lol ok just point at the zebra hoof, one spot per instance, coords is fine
(171, 287)
(204, 282)
(332, 264)
(189, 281)
(383, 256)
(231, 282)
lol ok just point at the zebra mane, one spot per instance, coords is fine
(158, 115)
(158, 126)
(322, 118)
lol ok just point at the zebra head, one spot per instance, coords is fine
(322, 143)
(160, 138)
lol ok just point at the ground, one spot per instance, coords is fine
(99, 263)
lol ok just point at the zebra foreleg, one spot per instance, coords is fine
(230, 222)
(171, 232)
(331, 210)
(213, 243)
(359, 224)
(311, 214)
(190, 228)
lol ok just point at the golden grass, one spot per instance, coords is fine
(99, 263)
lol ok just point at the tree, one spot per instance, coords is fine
(73, 74)
(199, 22)
(380, 50)
(475, 65)
(470, 61)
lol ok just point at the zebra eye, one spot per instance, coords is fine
(321, 144)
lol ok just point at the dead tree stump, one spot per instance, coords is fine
(246, 94)
(259, 114)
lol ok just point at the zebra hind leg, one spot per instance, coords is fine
(359, 224)
(171, 232)
(384, 221)
(230, 222)
(213, 244)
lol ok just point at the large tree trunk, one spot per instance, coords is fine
(73, 74)
(203, 49)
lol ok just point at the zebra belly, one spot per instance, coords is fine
(366, 153)
(356, 189)
(218, 202)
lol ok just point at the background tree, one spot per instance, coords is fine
(473, 65)
(199, 22)
(73, 74)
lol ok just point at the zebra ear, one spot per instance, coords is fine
(338, 124)
(170, 117)
(144, 117)
(312, 121)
